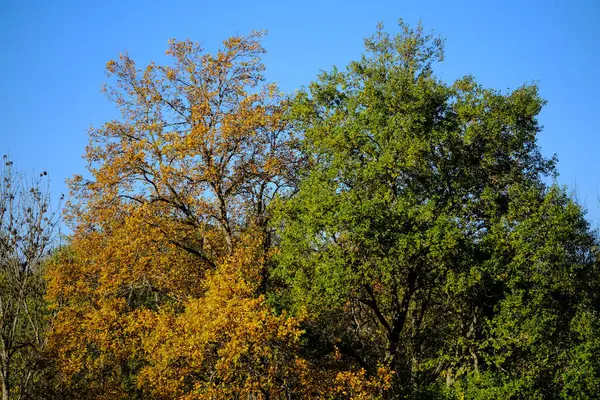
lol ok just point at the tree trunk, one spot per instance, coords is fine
(399, 316)
(5, 393)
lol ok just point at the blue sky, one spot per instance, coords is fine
(53, 56)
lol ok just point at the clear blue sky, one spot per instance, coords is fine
(53, 55)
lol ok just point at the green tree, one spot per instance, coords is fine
(423, 233)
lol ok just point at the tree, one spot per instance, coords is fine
(423, 234)
(162, 291)
(27, 232)
(200, 149)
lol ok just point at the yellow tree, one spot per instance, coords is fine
(200, 149)
(161, 293)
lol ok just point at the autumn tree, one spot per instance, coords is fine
(200, 149)
(424, 234)
(162, 291)
(28, 227)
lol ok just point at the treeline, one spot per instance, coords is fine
(380, 234)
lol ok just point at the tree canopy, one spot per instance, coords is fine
(380, 234)
(423, 233)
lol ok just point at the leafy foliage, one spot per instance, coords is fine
(381, 234)
(424, 222)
